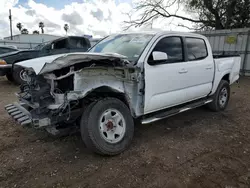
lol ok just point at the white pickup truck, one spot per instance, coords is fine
(146, 76)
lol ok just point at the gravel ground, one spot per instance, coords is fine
(198, 148)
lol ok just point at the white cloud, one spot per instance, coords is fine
(96, 17)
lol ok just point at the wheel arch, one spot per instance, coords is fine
(105, 91)
(226, 77)
(17, 61)
(217, 79)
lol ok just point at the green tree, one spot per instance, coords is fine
(19, 26)
(41, 25)
(24, 31)
(226, 14)
(204, 14)
(35, 32)
(66, 28)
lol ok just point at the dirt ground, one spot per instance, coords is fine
(195, 149)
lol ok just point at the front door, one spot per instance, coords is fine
(176, 80)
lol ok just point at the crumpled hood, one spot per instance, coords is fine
(46, 64)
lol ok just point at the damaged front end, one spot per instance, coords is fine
(43, 104)
(59, 92)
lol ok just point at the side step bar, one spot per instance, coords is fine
(174, 111)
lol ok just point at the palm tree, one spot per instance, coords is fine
(35, 32)
(19, 26)
(24, 31)
(41, 25)
(66, 28)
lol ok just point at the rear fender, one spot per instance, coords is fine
(217, 79)
(226, 66)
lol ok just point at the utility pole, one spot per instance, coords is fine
(11, 37)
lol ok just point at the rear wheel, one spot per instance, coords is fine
(107, 126)
(221, 97)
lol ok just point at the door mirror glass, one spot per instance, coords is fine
(159, 56)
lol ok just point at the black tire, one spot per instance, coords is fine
(16, 75)
(9, 76)
(216, 105)
(90, 130)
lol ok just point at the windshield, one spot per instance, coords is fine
(129, 45)
(40, 46)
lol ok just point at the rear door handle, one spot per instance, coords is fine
(182, 71)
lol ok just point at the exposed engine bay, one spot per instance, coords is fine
(58, 97)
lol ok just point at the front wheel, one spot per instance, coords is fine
(107, 126)
(9, 76)
(16, 74)
(221, 97)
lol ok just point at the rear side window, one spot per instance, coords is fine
(196, 49)
(79, 42)
(61, 44)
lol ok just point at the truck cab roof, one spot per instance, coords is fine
(161, 32)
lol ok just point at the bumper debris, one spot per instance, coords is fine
(19, 113)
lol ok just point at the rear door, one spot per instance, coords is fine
(186, 75)
(200, 67)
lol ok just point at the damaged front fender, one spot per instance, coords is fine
(104, 81)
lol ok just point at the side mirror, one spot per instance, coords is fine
(159, 56)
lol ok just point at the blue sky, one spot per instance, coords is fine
(59, 4)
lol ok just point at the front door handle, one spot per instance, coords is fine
(182, 71)
(208, 68)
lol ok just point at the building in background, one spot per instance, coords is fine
(27, 41)
(32, 38)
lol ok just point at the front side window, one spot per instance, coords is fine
(129, 45)
(173, 48)
(196, 49)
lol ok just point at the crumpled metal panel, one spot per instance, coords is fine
(120, 80)
(55, 62)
